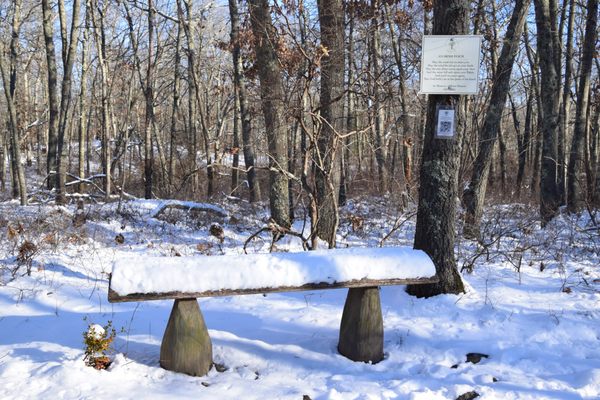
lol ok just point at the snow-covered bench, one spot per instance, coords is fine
(186, 345)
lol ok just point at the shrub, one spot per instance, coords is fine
(98, 342)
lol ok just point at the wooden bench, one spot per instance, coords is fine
(186, 346)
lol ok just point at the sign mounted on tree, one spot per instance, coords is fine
(450, 64)
(445, 126)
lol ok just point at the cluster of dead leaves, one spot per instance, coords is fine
(14, 231)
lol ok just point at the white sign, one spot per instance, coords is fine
(445, 128)
(450, 64)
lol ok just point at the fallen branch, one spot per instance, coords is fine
(278, 232)
(188, 206)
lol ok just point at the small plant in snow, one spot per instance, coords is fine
(27, 251)
(98, 342)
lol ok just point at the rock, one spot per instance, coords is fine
(306, 397)
(217, 231)
(220, 367)
(120, 239)
(475, 358)
(468, 396)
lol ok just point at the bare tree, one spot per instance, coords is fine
(98, 13)
(240, 89)
(9, 79)
(271, 93)
(577, 194)
(53, 102)
(474, 195)
(83, 104)
(69, 55)
(175, 108)
(327, 174)
(435, 230)
(378, 110)
(547, 49)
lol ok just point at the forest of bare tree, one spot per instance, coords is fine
(158, 156)
(299, 104)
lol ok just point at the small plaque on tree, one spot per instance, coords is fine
(445, 127)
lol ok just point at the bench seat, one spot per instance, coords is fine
(155, 278)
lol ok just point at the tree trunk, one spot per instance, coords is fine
(3, 153)
(174, 110)
(235, 146)
(351, 123)
(65, 99)
(9, 79)
(240, 87)
(547, 48)
(595, 123)
(83, 106)
(271, 93)
(435, 230)
(331, 22)
(53, 104)
(378, 112)
(577, 194)
(193, 89)
(106, 125)
(474, 195)
(407, 136)
(566, 104)
(18, 174)
(149, 117)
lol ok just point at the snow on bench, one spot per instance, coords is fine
(186, 346)
(153, 278)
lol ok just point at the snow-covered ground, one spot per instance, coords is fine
(532, 305)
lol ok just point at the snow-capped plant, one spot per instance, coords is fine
(98, 340)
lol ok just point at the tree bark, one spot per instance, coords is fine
(193, 89)
(566, 103)
(351, 120)
(106, 125)
(577, 193)
(65, 100)
(9, 79)
(83, 105)
(327, 177)
(149, 117)
(53, 103)
(474, 195)
(547, 48)
(407, 135)
(174, 111)
(271, 94)
(378, 111)
(235, 146)
(435, 230)
(240, 87)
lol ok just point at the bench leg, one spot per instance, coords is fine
(186, 346)
(361, 330)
